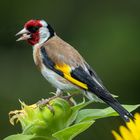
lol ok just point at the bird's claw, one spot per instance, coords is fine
(45, 102)
(51, 109)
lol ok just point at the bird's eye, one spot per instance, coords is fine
(33, 29)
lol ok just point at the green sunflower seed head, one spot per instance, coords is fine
(44, 120)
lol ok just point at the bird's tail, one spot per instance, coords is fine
(121, 110)
(104, 95)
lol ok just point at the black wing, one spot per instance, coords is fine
(100, 91)
(93, 73)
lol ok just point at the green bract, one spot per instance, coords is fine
(58, 121)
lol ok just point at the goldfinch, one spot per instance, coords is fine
(64, 67)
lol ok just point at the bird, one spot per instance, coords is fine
(63, 66)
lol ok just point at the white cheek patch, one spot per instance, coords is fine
(44, 35)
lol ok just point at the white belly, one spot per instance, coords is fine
(56, 80)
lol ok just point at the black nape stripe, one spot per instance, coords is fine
(51, 30)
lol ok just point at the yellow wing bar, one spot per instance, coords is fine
(66, 71)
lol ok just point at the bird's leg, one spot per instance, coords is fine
(59, 92)
(70, 98)
(51, 108)
(46, 101)
(43, 102)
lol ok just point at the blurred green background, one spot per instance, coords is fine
(107, 33)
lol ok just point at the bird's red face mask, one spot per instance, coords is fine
(30, 32)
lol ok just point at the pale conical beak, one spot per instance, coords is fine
(25, 34)
(23, 31)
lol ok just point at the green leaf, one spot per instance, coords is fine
(81, 105)
(24, 137)
(75, 109)
(92, 114)
(19, 137)
(70, 132)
